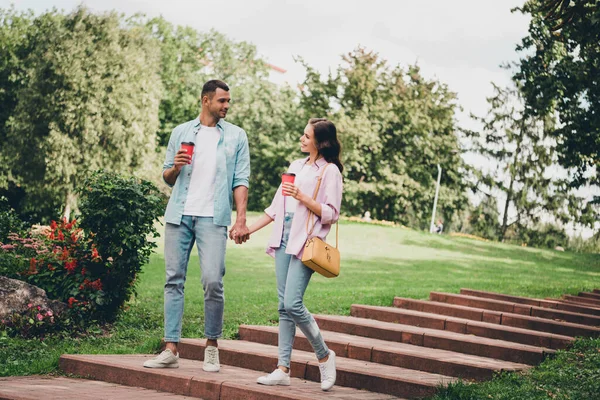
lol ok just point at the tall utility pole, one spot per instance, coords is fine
(437, 191)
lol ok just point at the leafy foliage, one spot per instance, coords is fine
(395, 126)
(119, 213)
(523, 165)
(82, 94)
(9, 220)
(558, 72)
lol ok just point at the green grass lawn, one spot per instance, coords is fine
(378, 263)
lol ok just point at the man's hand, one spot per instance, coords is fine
(181, 158)
(239, 232)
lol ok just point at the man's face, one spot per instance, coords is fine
(218, 104)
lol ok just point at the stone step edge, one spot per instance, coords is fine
(517, 308)
(169, 381)
(380, 351)
(431, 338)
(544, 303)
(466, 326)
(351, 373)
(493, 317)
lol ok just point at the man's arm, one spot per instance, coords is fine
(239, 231)
(241, 177)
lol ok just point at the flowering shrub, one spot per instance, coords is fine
(90, 265)
(119, 213)
(35, 322)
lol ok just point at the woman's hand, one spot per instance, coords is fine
(289, 189)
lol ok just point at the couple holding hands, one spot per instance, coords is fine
(208, 165)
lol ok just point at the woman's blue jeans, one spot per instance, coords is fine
(292, 280)
(211, 241)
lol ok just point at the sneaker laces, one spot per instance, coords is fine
(323, 369)
(211, 356)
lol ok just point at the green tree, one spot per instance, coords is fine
(523, 164)
(87, 97)
(559, 74)
(395, 126)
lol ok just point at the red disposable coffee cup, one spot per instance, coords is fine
(288, 177)
(189, 149)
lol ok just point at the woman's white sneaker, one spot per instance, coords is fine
(166, 359)
(277, 377)
(328, 372)
(211, 359)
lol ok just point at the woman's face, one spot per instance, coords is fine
(307, 140)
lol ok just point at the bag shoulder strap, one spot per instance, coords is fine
(310, 213)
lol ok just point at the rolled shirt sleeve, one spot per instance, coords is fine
(332, 201)
(271, 211)
(170, 155)
(241, 175)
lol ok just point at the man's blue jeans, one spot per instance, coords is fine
(211, 241)
(292, 280)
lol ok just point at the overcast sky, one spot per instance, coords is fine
(461, 43)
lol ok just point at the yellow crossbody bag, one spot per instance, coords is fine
(318, 255)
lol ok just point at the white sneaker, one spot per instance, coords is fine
(211, 359)
(277, 377)
(166, 359)
(328, 372)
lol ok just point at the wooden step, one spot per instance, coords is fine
(582, 300)
(446, 340)
(567, 329)
(545, 303)
(61, 388)
(515, 308)
(190, 380)
(392, 353)
(462, 325)
(596, 291)
(595, 296)
(351, 373)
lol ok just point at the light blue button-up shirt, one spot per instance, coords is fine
(233, 168)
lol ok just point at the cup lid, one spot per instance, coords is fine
(188, 143)
(289, 173)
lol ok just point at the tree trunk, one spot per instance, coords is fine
(70, 200)
(509, 194)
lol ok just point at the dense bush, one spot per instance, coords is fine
(9, 221)
(91, 265)
(118, 214)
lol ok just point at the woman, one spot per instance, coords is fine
(292, 207)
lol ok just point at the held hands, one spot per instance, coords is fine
(289, 189)
(239, 232)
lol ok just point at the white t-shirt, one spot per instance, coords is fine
(290, 202)
(201, 192)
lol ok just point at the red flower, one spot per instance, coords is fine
(97, 284)
(40, 317)
(32, 268)
(95, 254)
(53, 225)
(61, 236)
(71, 301)
(70, 266)
(83, 271)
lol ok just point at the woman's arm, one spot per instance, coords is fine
(263, 221)
(292, 190)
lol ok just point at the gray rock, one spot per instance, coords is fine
(15, 296)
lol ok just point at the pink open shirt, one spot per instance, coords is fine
(330, 197)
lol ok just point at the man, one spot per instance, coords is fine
(199, 210)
